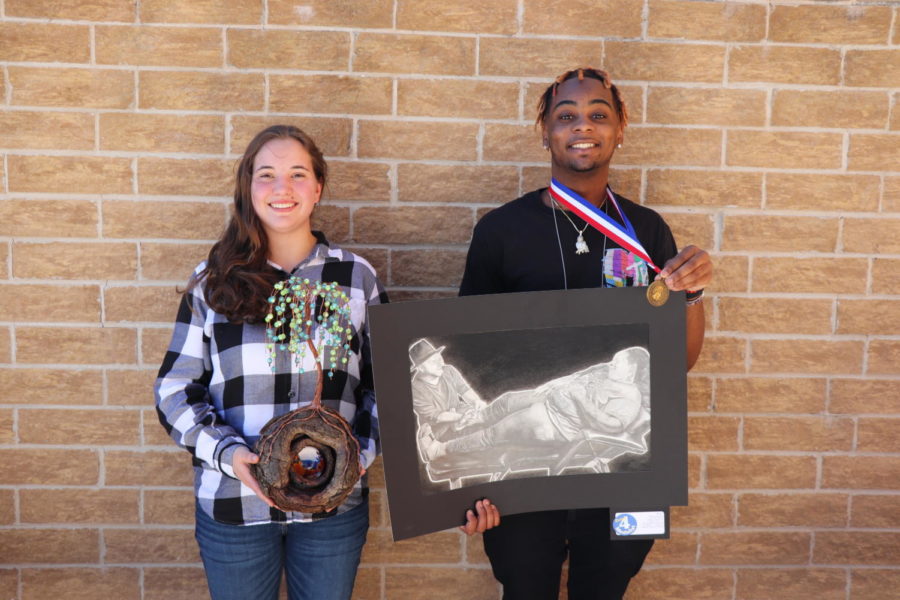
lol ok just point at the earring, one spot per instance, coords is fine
(618, 145)
(546, 145)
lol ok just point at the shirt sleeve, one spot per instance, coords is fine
(183, 403)
(365, 425)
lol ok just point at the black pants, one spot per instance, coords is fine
(527, 552)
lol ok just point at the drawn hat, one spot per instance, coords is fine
(421, 351)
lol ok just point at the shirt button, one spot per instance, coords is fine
(291, 394)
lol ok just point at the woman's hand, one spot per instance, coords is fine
(484, 517)
(690, 269)
(240, 463)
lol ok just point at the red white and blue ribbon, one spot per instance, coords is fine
(624, 236)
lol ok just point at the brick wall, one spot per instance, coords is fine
(768, 133)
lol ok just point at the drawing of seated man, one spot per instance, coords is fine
(602, 399)
(441, 396)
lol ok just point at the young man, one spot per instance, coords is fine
(534, 243)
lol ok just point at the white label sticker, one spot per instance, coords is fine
(640, 523)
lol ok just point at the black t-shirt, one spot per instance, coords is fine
(515, 248)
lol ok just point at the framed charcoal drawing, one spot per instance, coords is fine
(536, 400)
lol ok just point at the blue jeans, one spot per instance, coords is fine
(244, 562)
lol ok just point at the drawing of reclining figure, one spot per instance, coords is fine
(601, 399)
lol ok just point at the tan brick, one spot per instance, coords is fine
(458, 15)
(74, 260)
(722, 355)
(870, 584)
(806, 356)
(159, 46)
(334, 221)
(415, 140)
(4, 257)
(202, 11)
(583, 17)
(49, 467)
(169, 468)
(713, 433)
(699, 393)
(691, 228)
(72, 426)
(331, 135)
(174, 583)
(785, 64)
(341, 13)
(154, 343)
(81, 88)
(851, 548)
(807, 275)
(412, 225)
(83, 506)
(458, 98)
(330, 94)
(199, 90)
(775, 315)
(730, 274)
(169, 176)
(7, 433)
(822, 192)
(378, 509)
(762, 548)
(358, 181)
(853, 396)
(679, 549)
(872, 68)
(695, 470)
(823, 584)
(44, 42)
(52, 386)
(875, 152)
(875, 511)
(152, 434)
(730, 22)
(773, 234)
(533, 57)
(814, 434)
(790, 150)
(830, 24)
(162, 133)
(513, 143)
(150, 546)
(63, 303)
(760, 471)
(52, 546)
(81, 583)
(626, 182)
(441, 547)
(872, 236)
(185, 220)
(422, 583)
(665, 62)
(885, 273)
(718, 106)
(62, 174)
(878, 435)
(140, 304)
(34, 130)
(5, 348)
(96, 10)
(412, 53)
(368, 583)
(801, 108)
(314, 50)
(882, 357)
(676, 187)
(861, 472)
(124, 387)
(169, 507)
(457, 183)
(704, 511)
(682, 584)
(50, 218)
(75, 345)
(7, 511)
(429, 268)
(171, 261)
(873, 317)
(664, 146)
(535, 178)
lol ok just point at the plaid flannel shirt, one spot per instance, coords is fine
(215, 390)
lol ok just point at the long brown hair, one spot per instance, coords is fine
(546, 101)
(238, 278)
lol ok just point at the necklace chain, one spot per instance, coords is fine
(581, 246)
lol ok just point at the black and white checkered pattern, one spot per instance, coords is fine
(215, 389)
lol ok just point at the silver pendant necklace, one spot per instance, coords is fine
(581, 246)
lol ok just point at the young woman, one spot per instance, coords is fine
(216, 389)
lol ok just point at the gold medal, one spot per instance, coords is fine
(657, 293)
